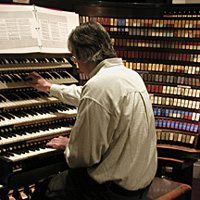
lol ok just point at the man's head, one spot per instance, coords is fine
(90, 43)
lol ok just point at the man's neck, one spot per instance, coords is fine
(86, 68)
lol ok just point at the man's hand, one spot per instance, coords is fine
(59, 142)
(38, 82)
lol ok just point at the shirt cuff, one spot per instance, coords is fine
(55, 90)
(67, 153)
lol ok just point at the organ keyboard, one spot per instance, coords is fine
(18, 78)
(34, 114)
(29, 118)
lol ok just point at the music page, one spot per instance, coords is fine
(18, 29)
(55, 27)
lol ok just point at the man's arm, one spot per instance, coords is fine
(67, 94)
(89, 138)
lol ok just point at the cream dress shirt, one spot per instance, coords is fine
(114, 133)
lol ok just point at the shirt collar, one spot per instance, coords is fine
(109, 62)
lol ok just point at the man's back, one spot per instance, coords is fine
(128, 137)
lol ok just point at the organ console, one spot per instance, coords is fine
(29, 119)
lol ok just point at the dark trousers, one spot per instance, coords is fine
(76, 184)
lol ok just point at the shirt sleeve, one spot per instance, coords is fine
(88, 138)
(67, 94)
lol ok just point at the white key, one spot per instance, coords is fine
(30, 136)
(31, 153)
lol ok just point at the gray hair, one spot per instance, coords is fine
(90, 42)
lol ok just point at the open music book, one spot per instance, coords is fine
(29, 29)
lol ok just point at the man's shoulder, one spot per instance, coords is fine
(102, 82)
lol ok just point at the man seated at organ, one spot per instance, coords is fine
(111, 151)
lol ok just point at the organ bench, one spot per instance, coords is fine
(164, 189)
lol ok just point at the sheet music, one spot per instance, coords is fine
(55, 29)
(17, 29)
(28, 29)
